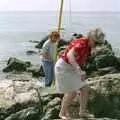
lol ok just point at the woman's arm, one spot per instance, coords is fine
(71, 57)
(45, 50)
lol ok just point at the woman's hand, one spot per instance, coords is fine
(82, 75)
(81, 72)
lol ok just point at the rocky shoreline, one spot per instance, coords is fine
(21, 98)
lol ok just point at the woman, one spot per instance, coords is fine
(48, 50)
(69, 75)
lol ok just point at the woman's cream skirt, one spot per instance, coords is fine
(67, 78)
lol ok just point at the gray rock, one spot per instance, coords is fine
(30, 113)
(15, 64)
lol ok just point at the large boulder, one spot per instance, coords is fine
(102, 57)
(105, 100)
(19, 99)
(15, 64)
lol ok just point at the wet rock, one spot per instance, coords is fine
(34, 41)
(15, 64)
(52, 113)
(36, 72)
(29, 113)
(31, 52)
(40, 44)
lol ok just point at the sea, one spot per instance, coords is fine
(17, 28)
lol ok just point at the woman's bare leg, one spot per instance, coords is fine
(83, 102)
(83, 98)
(67, 99)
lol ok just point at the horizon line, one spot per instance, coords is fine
(52, 11)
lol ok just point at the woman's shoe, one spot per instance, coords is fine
(64, 117)
(86, 115)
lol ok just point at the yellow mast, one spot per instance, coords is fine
(60, 16)
(59, 26)
(58, 29)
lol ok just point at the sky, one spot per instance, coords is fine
(53, 5)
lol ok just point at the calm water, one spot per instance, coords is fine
(17, 28)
